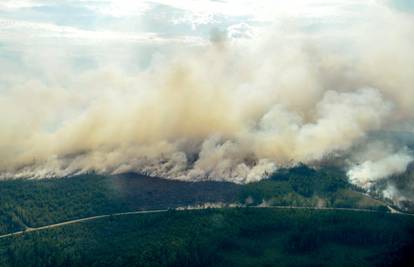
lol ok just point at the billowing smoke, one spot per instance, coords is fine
(371, 171)
(230, 109)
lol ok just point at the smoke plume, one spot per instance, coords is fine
(231, 109)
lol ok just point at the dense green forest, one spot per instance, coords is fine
(221, 237)
(33, 203)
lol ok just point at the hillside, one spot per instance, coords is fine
(33, 203)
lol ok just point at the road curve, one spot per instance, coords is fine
(92, 218)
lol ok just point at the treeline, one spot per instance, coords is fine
(40, 202)
(304, 186)
(32, 203)
(227, 237)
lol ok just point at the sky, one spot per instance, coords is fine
(90, 26)
(145, 27)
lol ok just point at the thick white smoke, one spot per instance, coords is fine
(231, 110)
(371, 171)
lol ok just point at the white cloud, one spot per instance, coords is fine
(119, 8)
(240, 30)
(202, 10)
(265, 10)
(15, 29)
(16, 4)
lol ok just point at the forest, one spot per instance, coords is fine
(33, 203)
(221, 237)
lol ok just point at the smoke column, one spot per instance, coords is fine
(233, 110)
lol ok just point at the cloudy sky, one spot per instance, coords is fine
(139, 28)
(164, 20)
